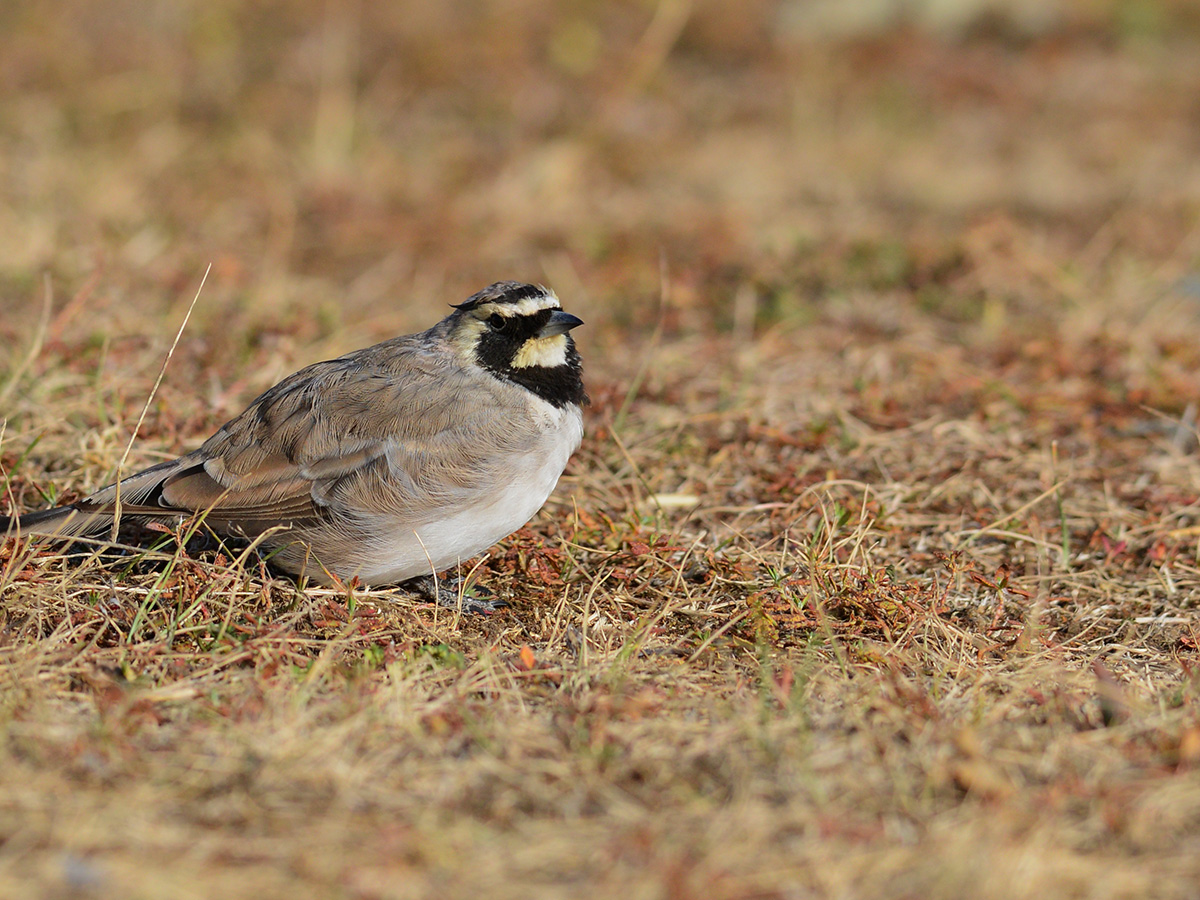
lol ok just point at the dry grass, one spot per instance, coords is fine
(876, 575)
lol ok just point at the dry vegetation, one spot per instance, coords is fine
(876, 575)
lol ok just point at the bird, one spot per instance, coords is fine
(391, 463)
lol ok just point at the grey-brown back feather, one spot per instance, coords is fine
(344, 434)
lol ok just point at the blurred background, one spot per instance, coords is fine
(723, 172)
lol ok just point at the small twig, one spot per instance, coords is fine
(150, 399)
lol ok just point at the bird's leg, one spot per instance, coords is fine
(448, 591)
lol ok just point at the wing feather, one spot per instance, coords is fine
(399, 429)
(371, 431)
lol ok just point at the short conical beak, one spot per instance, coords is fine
(560, 323)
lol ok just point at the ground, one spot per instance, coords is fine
(876, 574)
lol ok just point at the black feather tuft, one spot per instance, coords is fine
(502, 292)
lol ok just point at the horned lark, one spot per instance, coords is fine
(389, 463)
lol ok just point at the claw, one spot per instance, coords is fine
(448, 592)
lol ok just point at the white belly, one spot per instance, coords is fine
(404, 552)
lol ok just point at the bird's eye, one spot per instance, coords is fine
(497, 322)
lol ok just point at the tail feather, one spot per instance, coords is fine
(62, 521)
(94, 514)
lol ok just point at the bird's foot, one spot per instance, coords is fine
(450, 592)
